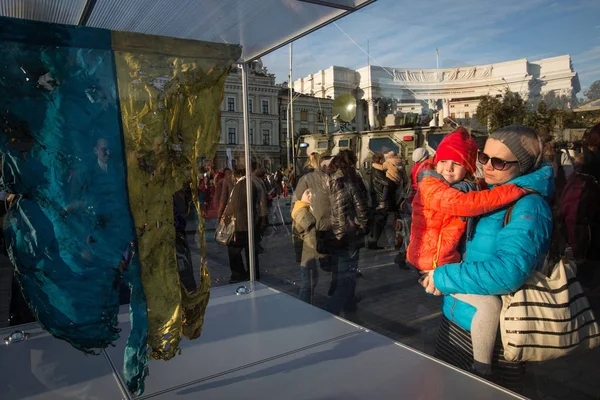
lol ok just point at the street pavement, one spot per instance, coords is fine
(392, 303)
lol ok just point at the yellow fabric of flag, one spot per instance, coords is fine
(170, 93)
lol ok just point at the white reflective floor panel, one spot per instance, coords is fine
(258, 346)
(240, 330)
(45, 368)
(361, 366)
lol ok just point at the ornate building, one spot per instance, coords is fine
(450, 92)
(263, 107)
(311, 115)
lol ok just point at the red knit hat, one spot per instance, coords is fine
(459, 147)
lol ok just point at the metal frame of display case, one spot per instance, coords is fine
(249, 348)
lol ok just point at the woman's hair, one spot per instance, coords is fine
(345, 159)
(314, 161)
(378, 158)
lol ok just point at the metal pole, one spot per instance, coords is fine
(287, 112)
(249, 185)
(292, 115)
(287, 144)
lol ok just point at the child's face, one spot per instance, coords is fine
(452, 171)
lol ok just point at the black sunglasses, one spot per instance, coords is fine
(497, 163)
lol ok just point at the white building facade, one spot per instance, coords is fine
(449, 92)
(263, 106)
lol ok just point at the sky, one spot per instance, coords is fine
(406, 33)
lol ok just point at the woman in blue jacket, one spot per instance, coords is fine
(499, 258)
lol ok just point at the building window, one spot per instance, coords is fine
(265, 106)
(466, 105)
(249, 105)
(284, 112)
(320, 116)
(453, 116)
(251, 135)
(266, 137)
(303, 115)
(467, 115)
(232, 136)
(230, 104)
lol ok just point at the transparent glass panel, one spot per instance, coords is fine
(230, 21)
(555, 93)
(312, 190)
(58, 11)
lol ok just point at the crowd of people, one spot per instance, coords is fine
(461, 245)
(215, 187)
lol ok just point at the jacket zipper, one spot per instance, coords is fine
(437, 253)
(452, 310)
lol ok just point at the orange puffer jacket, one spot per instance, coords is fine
(438, 219)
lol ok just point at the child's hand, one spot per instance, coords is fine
(307, 196)
(427, 283)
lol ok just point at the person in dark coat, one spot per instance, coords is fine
(591, 152)
(350, 224)
(380, 201)
(237, 208)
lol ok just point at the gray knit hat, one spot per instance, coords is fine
(524, 143)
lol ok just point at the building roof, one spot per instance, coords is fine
(259, 26)
(593, 105)
(284, 92)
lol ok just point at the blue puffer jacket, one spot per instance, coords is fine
(500, 258)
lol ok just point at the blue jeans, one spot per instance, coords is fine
(309, 278)
(345, 266)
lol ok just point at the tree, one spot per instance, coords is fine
(539, 119)
(593, 92)
(560, 118)
(497, 113)
(513, 109)
(487, 112)
(556, 102)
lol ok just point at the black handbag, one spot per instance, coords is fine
(225, 231)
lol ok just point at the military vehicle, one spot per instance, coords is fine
(401, 133)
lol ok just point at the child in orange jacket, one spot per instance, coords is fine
(441, 207)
